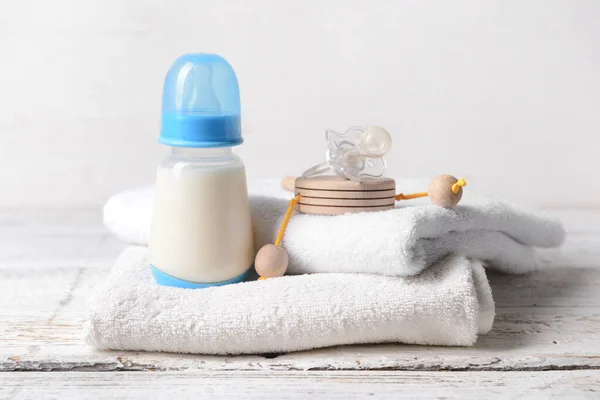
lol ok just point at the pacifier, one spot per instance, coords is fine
(357, 154)
(356, 157)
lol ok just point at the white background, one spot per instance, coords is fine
(503, 93)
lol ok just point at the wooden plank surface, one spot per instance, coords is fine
(301, 385)
(51, 260)
(553, 322)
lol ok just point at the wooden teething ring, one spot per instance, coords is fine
(333, 195)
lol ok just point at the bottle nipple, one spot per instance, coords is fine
(356, 154)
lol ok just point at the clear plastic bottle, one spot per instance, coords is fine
(201, 232)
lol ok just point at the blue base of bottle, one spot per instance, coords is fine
(167, 280)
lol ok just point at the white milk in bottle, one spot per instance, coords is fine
(201, 232)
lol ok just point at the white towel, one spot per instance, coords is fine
(399, 242)
(449, 304)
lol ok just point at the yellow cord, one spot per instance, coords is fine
(403, 196)
(455, 188)
(460, 183)
(286, 219)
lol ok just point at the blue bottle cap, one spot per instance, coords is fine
(200, 103)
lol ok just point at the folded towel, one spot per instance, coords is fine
(449, 304)
(398, 242)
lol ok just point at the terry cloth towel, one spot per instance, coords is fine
(399, 242)
(448, 304)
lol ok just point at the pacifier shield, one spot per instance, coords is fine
(334, 195)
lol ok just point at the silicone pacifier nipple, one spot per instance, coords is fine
(374, 142)
(356, 154)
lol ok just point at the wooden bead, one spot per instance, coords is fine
(288, 183)
(440, 191)
(271, 261)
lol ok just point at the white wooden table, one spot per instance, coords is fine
(545, 340)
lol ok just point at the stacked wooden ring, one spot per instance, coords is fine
(333, 195)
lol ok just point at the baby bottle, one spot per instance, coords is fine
(201, 231)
